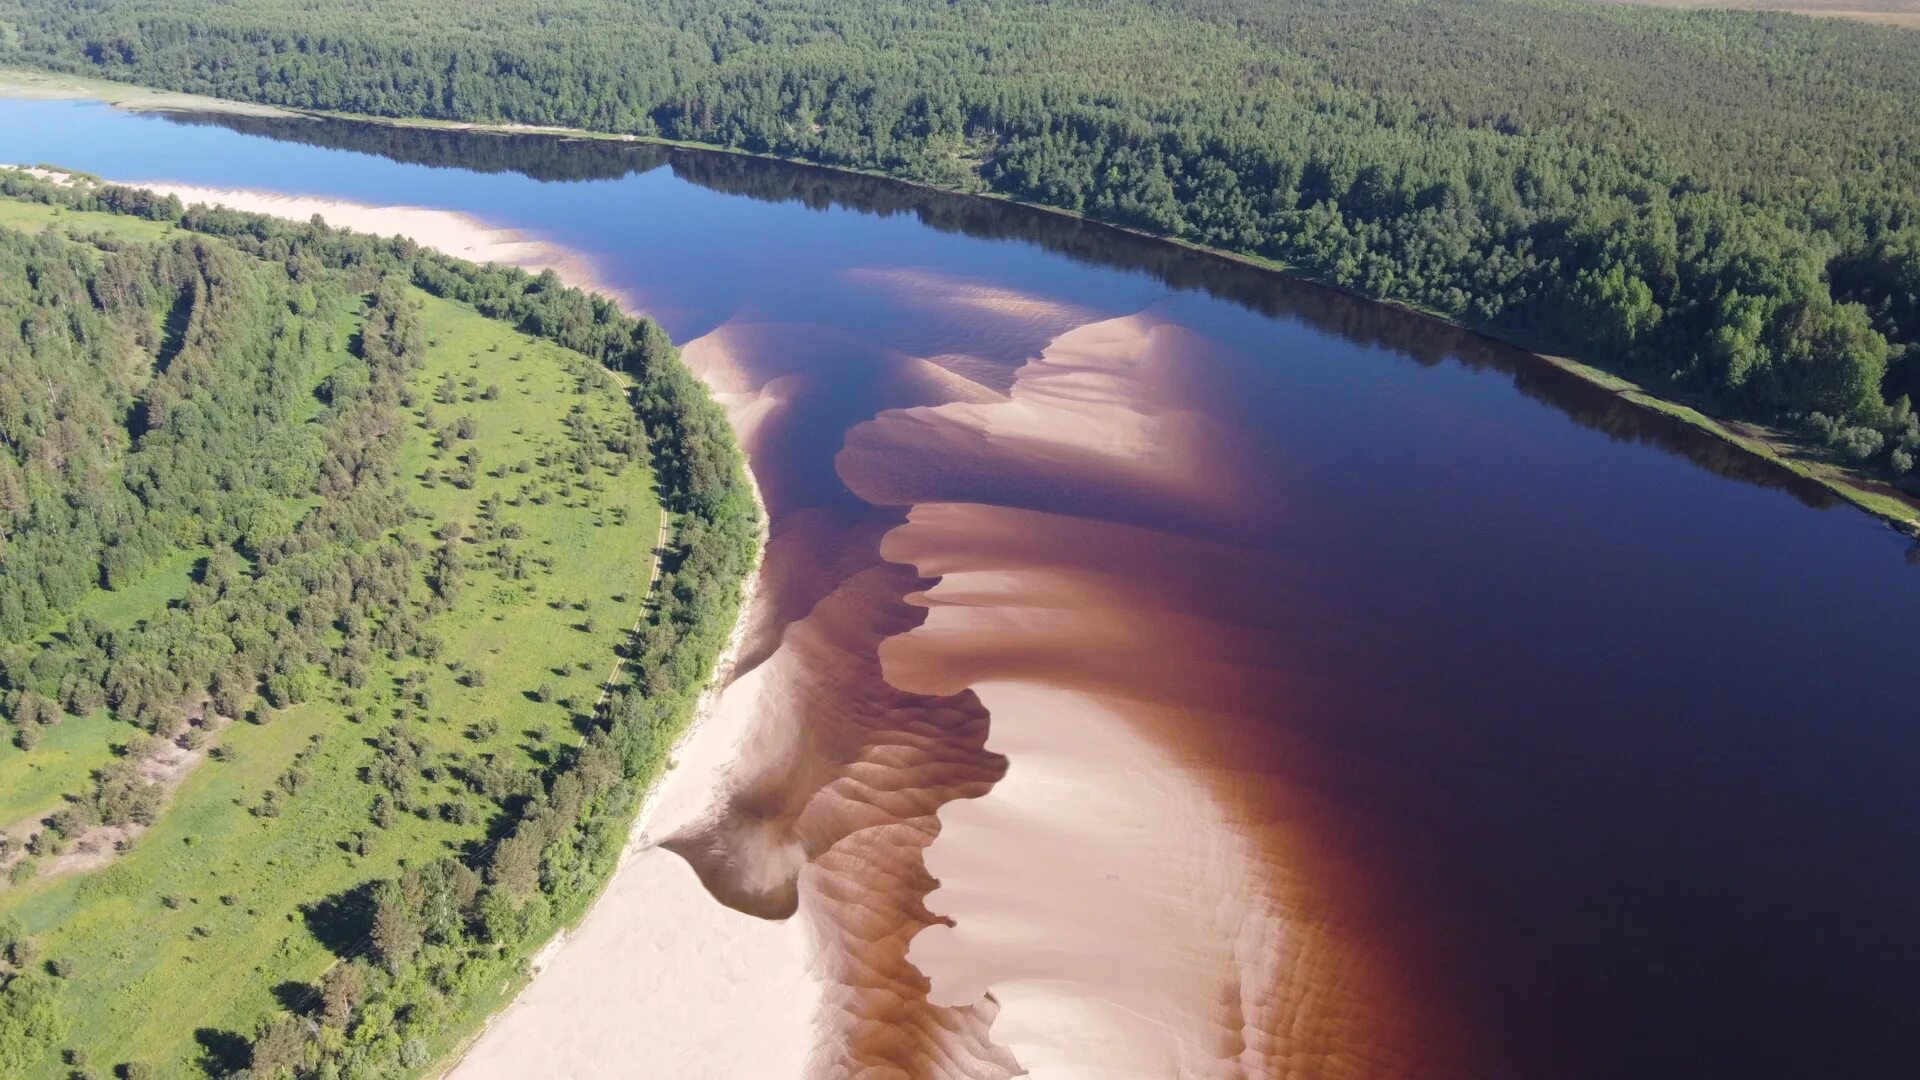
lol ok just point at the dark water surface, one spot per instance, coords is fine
(1615, 730)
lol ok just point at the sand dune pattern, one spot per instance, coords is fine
(999, 785)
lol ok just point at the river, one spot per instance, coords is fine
(1169, 669)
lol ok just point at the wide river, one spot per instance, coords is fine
(1168, 669)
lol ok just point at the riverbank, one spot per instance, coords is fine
(57, 86)
(606, 989)
(619, 985)
(1777, 448)
(1396, 551)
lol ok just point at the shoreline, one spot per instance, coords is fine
(465, 236)
(638, 841)
(1774, 448)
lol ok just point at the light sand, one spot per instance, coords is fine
(1130, 894)
(1094, 412)
(453, 233)
(714, 357)
(1098, 893)
(52, 176)
(1125, 924)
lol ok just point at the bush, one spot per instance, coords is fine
(1858, 443)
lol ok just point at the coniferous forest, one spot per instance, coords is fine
(1725, 205)
(293, 527)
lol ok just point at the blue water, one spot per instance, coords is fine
(1651, 728)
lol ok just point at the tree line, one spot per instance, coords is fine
(1722, 204)
(305, 576)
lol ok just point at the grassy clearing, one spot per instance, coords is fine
(30, 783)
(48, 85)
(32, 217)
(209, 921)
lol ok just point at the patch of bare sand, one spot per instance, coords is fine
(165, 763)
(52, 176)
(715, 358)
(821, 821)
(451, 232)
(829, 799)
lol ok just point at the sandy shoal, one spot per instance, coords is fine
(1140, 894)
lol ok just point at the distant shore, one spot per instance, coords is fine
(1900, 13)
(1770, 445)
(55, 86)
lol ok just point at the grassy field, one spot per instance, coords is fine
(217, 915)
(32, 217)
(45, 84)
(1902, 13)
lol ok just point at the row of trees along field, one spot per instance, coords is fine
(1725, 205)
(188, 396)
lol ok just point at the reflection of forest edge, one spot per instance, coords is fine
(1425, 339)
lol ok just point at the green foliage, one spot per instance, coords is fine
(1696, 198)
(30, 1020)
(343, 597)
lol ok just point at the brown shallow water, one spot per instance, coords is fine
(1173, 670)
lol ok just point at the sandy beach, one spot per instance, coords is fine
(47, 85)
(457, 234)
(657, 971)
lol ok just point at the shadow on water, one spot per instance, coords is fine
(1423, 339)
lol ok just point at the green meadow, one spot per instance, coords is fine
(227, 908)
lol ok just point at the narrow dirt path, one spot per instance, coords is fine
(653, 579)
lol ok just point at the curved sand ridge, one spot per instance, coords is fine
(1127, 892)
(1131, 892)
(827, 806)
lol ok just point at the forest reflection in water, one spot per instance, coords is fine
(1407, 334)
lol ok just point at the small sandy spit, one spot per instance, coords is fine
(52, 86)
(449, 231)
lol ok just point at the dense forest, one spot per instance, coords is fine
(251, 400)
(1725, 205)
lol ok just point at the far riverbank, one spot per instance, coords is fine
(1777, 448)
